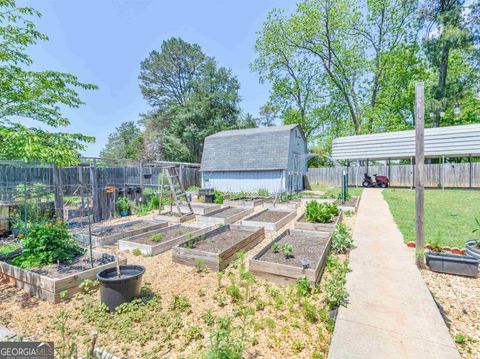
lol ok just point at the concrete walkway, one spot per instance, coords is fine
(391, 314)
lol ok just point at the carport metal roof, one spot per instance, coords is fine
(452, 141)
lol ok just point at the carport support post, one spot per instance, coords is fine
(419, 177)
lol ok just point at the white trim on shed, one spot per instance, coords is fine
(452, 141)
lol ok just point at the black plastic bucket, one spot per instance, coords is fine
(115, 291)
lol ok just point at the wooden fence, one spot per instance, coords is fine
(461, 175)
(98, 181)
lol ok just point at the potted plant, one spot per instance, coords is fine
(472, 247)
(123, 206)
(120, 285)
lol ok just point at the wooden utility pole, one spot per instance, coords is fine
(420, 174)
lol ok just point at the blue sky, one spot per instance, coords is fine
(103, 42)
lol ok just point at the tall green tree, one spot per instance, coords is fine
(451, 47)
(34, 95)
(126, 142)
(191, 98)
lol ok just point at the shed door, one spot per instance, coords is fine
(296, 175)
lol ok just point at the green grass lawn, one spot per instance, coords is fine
(336, 190)
(449, 214)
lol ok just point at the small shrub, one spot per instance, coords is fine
(310, 312)
(179, 303)
(342, 241)
(46, 244)
(219, 197)
(348, 196)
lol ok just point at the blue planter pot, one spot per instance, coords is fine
(472, 249)
(123, 213)
(452, 264)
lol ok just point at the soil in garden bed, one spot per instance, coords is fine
(226, 213)
(221, 241)
(164, 236)
(104, 231)
(304, 247)
(303, 220)
(270, 216)
(79, 264)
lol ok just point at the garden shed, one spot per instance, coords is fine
(271, 158)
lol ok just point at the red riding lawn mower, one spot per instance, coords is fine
(380, 181)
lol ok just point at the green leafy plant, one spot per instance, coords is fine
(317, 212)
(46, 244)
(122, 204)
(262, 192)
(157, 237)
(275, 247)
(303, 286)
(348, 196)
(342, 241)
(137, 252)
(219, 197)
(200, 266)
(477, 229)
(287, 250)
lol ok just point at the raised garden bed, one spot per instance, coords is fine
(271, 219)
(301, 223)
(174, 217)
(350, 205)
(245, 201)
(200, 208)
(318, 199)
(452, 264)
(310, 250)
(225, 215)
(56, 282)
(160, 240)
(283, 206)
(74, 212)
(108, 235)
(218, 247)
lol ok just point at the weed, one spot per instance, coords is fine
(310, 312)
(157, 237)
(262, 192)
(342, 241)
(460, 339)
(180, 303)
(298, 346)
(88, 286)
(349, 213)
(303, 286)
(208, 317)
(137, 252)
(200, 266)
(193, 333)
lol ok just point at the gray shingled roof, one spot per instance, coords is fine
(250, 149)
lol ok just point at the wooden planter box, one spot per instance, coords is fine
(300, 223)
(174, 217)
(346, 207)
(245, 201)
(218, 216)
(284, 273)
(318, 199)
(218, 261)
(155, 249)
(270, 226)
(113, 238)
(285, 206)
(48, 288)
(200, 208)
